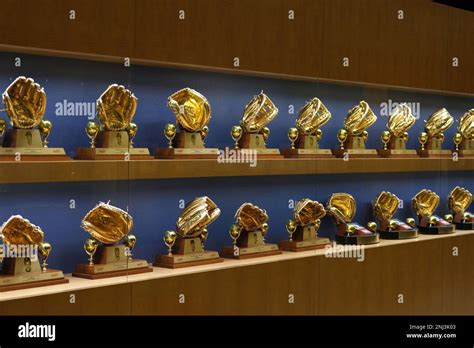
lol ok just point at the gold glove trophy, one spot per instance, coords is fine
(385, 206)
(186, 244)
(303, 228)
(252, 133)
(193, 114)
(464, 137)
(112, 139)
(342, 207)
(458, 201)
(432, 138)
(425, 203)
(25, 247)
(110, 245)
(395, 137)
(248, 234)
(25, 104)
(354, 134)
(306, 134)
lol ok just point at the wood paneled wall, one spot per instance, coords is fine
(395, 42)
(434, 277)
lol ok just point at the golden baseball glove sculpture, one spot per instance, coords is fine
(25, 103)
(186, 244)
(459, 200)
(354, 133)
(107, 224)
(464, 137)
(248, 234)
(115, 132)
(258, 113)
(312, 116)
(250, 217)
(196, 216)
(116, 108)
(395, 137)
(191, 108)
(193, 113)
(111, 244)
(303, 227)
(252, 133)
(425, 203)
(432, 138)
(20, 231)
(342, 207)
(384, 207)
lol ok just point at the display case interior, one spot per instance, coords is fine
(73, 86)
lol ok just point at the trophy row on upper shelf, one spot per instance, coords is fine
(112, 135)
(110, 243)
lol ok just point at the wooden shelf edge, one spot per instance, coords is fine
(77, 171)
(77, 284)
(215, 69)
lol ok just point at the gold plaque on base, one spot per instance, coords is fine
(355, 153)
(179, 261)
(230, 252)
(256, 142)
(306, 153)
(435, 153)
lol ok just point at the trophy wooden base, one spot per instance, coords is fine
(294, 245)
(114, 269)
(306, 153)
(407, 234)
(437, 229)
(435, 153)
(464, 225)
(113, 154)
(464, 153)
(397, 153)
(33, 154)
(355, 153)
(231, 252)
(358, 239)
(187, 260)
(31, 280)
(187, 153)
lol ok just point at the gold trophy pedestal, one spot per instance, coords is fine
(397, 149)
(187, 145)
(26, 145)
(304, 238)
(354, 146)
(111, 261)
(187, 252)
(256, 142)
(250, 245)
(24, 273)
(113, 145)
(434, 149)
(306, 146)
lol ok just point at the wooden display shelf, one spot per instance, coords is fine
(261, 285)
(69, 171)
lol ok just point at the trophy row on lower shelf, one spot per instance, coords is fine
(112, 134)
(110, 244)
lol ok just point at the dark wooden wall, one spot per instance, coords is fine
(415, 51)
